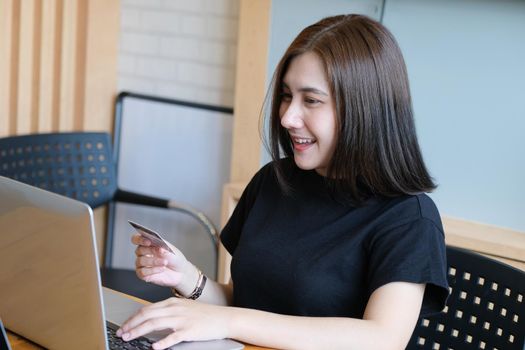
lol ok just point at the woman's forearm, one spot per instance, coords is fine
(388, 322)
(295, 332)
(217, 293)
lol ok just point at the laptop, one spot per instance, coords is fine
(4, 342)
(49, 274)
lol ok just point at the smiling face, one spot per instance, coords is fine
(307, 112)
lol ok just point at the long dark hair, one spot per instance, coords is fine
(377, 153)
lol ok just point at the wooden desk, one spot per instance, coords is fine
(19, 343)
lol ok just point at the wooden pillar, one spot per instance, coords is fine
(250, 90)
(58, 65)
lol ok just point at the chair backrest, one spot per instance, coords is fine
(485, 309)
(79, 165)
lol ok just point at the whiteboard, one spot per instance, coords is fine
(174, 152)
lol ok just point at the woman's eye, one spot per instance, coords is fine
(311, 101)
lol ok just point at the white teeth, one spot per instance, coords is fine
(303, 141)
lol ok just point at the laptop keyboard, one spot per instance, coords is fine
(116, 343)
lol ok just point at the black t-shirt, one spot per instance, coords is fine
(309, 254)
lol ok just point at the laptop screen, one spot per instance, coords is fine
(49, 278)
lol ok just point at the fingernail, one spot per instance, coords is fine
(125, 336)
(119, 332)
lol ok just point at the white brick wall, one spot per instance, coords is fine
(182, 49)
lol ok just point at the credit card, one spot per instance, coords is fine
(155, 238)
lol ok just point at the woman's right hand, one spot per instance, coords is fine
(164, 268)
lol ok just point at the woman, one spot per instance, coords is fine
(334, 245)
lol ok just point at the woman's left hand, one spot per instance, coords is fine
(188, 320)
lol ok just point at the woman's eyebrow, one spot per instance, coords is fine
(313, 90)
(307, 89)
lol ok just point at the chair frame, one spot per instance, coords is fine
(485, 308)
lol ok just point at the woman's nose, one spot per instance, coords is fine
(292, 117)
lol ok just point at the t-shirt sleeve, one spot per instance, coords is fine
(411, 252)
(231, 232)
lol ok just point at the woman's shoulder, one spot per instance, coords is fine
(409, 208)
(266, 175)
(427, 207)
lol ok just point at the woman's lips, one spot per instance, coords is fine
(302, 146)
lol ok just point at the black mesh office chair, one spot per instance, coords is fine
(485, 309)
(81, 165)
